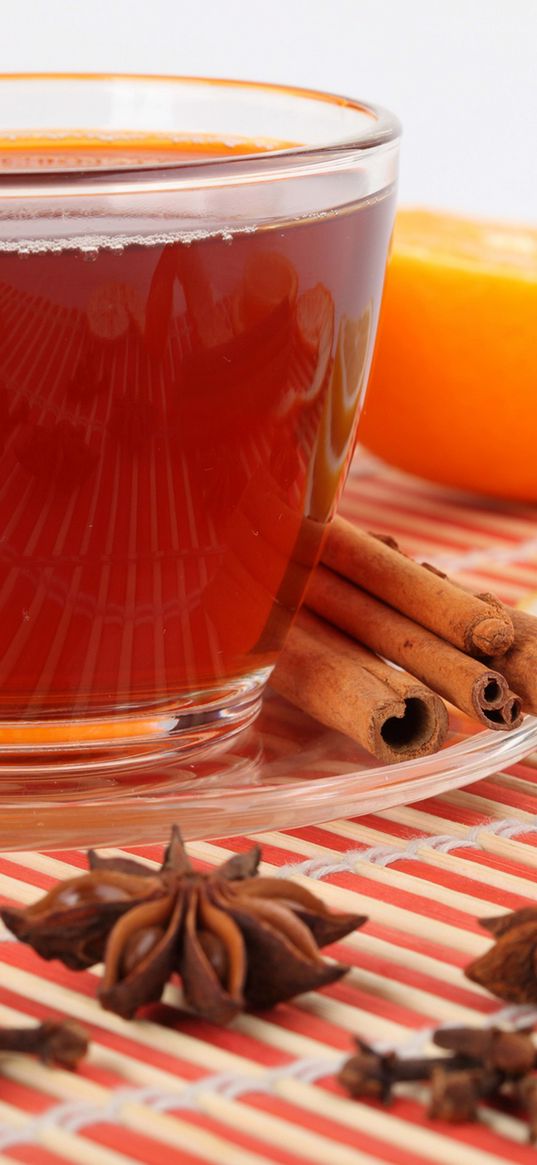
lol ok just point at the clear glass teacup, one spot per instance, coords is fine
(190, 280)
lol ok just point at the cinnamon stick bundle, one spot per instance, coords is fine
(348, 688)
(519, 663)
(475, 625)
(468, 684)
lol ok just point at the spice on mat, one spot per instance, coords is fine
(509, 967)
(483, 1063)
(347, 687)
(477, 625)
(53, 1042)
(480, 691)
(382, 641)
(237, 940)
(455, 1096)
(373, 1074)
(519, 665)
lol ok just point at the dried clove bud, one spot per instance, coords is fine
(455, 1096)
(511, 1053)
(483, 1062)
(373, 1074)
(53, 1042)
(367, 1073)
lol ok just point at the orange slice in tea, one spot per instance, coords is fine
(111, 307)
(270, 279)
(453, 389)
(66, 735)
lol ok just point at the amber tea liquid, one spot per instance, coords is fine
(176, 421)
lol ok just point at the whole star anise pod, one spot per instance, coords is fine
(237, 940)
(509, 968)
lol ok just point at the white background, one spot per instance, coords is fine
(461, 74)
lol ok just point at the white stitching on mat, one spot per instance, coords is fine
(73, 1115)
(385, 855)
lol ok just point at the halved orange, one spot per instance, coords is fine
(453, 392)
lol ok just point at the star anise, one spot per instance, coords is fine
(237, 940)
(509, 968)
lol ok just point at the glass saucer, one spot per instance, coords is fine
(284, 772)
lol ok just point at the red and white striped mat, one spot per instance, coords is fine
(166, 1089)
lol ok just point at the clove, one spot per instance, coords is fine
(53, 1042)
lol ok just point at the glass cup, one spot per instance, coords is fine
(190, 279)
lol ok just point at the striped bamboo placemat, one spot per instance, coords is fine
(263, 1091)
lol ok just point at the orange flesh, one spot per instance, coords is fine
(453, 390)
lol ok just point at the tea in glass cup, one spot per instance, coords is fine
(190, 280)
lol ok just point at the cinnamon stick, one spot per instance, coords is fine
(468, 684)
(348, 688)
(519, 665)
(478, 626)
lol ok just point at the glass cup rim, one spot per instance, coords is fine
(385, 130)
